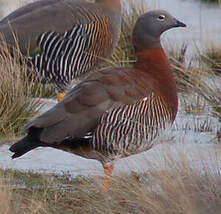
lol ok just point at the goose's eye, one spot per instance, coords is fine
(161, 17)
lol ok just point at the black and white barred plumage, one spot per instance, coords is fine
(65, 57)
(132, 128)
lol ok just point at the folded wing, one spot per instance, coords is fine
(80, 111)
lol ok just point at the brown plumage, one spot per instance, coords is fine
(115, 112)
(65, 38)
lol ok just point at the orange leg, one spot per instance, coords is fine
(60, 96)
(108, 169)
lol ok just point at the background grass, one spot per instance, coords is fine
(18, 93)
(16, 104)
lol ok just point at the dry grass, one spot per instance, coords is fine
(196, 78)
(180, 188)
(212, 57)
(202, 82)
(17, 105)
(5, 193)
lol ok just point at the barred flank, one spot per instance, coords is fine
(132, 127)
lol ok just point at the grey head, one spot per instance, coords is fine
(150, 26)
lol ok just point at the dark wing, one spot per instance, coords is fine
(80, 111)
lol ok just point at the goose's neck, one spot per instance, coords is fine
(155, 67)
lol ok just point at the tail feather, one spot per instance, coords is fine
(31, 141)
(23, 146)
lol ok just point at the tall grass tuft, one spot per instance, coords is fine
(202, 81)
(16, 92)
(212, 57)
